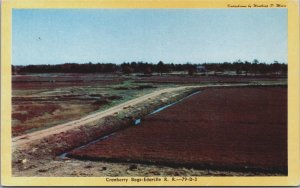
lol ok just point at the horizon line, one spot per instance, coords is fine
(187, 62)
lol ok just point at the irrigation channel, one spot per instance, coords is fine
(135, 122)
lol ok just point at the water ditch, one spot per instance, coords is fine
(135, 122)
(138, 121)
(64, 155)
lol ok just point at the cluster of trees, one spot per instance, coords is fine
(149, 68)
(254, 67)
(68, 68)
(160, 67)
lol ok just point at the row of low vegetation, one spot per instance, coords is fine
(239, 67)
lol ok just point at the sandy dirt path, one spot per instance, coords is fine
(26, 138)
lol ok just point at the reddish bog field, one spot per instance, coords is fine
(227, 128)
(208, 79)
(54, 81)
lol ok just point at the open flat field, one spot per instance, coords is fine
(242, 129)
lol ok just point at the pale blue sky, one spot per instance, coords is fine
(53, 36)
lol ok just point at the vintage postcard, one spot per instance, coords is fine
(150, 93)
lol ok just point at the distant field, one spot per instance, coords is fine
(52, 81)
(227, 128)
(184, 79)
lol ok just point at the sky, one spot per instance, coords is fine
(55, 36)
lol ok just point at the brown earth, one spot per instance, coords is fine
(242, 129)
(67, 167)
(33, 116)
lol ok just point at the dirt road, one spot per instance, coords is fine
(26, 138)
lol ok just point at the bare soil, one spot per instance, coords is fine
(80, 168)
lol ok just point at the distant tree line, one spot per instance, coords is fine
(254, 67)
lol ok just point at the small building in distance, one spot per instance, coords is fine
(200, 69)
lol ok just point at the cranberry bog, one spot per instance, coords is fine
(185, 79)
(60, 80)
(231, 129)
